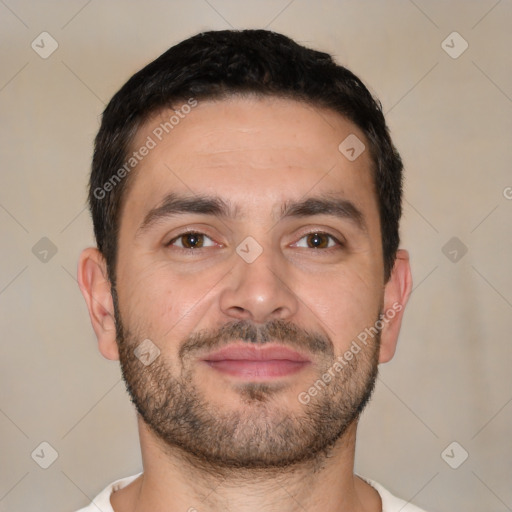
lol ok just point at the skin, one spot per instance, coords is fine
(256, 153)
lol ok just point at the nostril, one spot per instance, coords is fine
(239, 312)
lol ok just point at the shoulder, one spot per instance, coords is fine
(102, 500)
(391, 503)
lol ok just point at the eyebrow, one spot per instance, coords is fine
(328, 204)
(325, 205)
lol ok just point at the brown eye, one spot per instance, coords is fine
(191, 240)
(318, 240)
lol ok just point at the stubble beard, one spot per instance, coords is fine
(263, 435)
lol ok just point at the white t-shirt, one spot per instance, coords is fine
(101, 503)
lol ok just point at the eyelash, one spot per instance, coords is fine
(339, 244)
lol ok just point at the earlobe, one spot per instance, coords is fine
(96, 289)
(396, 295)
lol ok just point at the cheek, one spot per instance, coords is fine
(155, 297)
(344, 304)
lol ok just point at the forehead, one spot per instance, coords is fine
(254, 151)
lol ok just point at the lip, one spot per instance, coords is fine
(257, 363)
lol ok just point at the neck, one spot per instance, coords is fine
(174, 481)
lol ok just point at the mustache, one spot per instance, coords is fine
(285, 332)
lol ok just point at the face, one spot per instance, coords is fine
(250, 256)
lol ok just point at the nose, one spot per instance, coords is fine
(259, 291)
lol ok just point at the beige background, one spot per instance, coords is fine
(452, 121)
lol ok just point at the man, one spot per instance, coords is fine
(246, 199)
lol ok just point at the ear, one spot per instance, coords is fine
(95, 286)
(396, 294)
